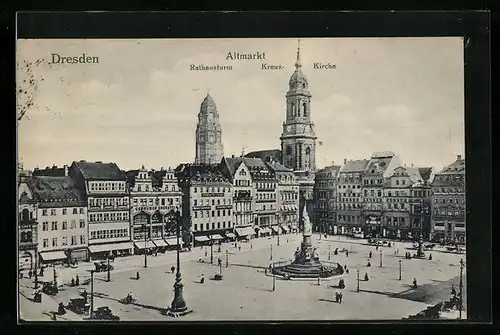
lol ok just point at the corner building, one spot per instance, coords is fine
(325, 198)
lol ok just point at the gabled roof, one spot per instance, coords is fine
(354, 166)
(457, 167)
(232, 164)
(56, 191)
(265, 155)
(201, 173)
(378, 165)
(328, 172)
(425, 173)
(277, 167)
(100, 171)
(414, 175)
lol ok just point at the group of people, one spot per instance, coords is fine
(338, 297)
(75, 282)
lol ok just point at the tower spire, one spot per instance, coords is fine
(297, 63)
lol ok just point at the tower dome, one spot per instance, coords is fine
(298, 79)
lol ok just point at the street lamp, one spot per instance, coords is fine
(54, 274)
(399, 269)
(329, 252)
(36, 253)
(271, 257)
(145, 247)
(211, 250)
(178, 306)
(109, 272)
(274, 278)
(380, 257)
(91, 294)
(227, 258)
(357, 273)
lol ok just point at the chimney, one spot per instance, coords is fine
(333, 163)
(65, 170)
(459, 157)
(345, 161)
(232, 156)
(412, 165)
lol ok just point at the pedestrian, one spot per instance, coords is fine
(137, 275)
(366, 276)
(30, 273)
(41, 272)
(415, 282)
(337, 297)
(72, 281)
(172, 269)
(370, 254)
(347, 253)
(202, 279)
(453, 292)
(369, 264)
(376, 248)
(430, 257)
(340, 297)
(77, 281)
(206, 254)
(239, 248)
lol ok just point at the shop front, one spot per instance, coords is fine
(201, 240)
(78, 255)
(102, 251)
(244, 233)
(53, 257)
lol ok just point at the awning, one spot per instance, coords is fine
(140, 245)
(52, 255)
(216, 237)
(245, 231)
(285, 229)
(230, 235)
(160, 243)
(264, 230)
(201, 238)
(171, 241)
(275, 229)
(110, 247)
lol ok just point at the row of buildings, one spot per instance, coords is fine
(381, 197)
(94, 209)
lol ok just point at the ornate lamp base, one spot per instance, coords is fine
(178, 306)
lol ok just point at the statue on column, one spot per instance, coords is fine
(307, 223)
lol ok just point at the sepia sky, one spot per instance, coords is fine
(139, 105)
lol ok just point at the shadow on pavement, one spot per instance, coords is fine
(328, 300)
(249, 266)
(105, 296)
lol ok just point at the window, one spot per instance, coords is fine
(64, 241)
(54, 225)
(82, 222)
(45, 226)
(65, 225)
(75, 210)
(195, 189)
(201, 225)
(82, 239)
(195, 202)
(81, 211)
(195, 226)
(53, 211)
(54, 241)
(44, 212)
(64, 211)
(73, 239)
(218, 225)
(73, 224)
(45, 242)
(213, 225)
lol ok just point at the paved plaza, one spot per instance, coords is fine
(245, 293)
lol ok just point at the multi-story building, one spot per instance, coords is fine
(108, 207)
(325, 198)
(207, 202)
(28, 227)
(265, 195)
(288, 198)
(448, 203)
(154, 198)
(380, 167)
(350, 198)
(209, 148)
(421, 202)
(236, 171)
(62, 216)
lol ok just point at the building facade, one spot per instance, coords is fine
(380, 167)
(108, 212)
(350, 198)
(62, 215)
(288, 198)
(154, 198)
(235, 170)
(27, 227)
(209, 147)
(298, 138)
(448, 204)
(206, 202)
(325, 198)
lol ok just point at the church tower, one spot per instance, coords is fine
(209, 149)
(298, 139)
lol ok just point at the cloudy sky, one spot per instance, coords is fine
(139, 105)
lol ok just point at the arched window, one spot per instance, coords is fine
(304, 105)
(293, 110)
(29, 236)
(298, 109)
(25, 215)
(288, 149)
(308, 158)
(23, 236)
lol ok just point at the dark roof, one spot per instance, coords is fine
(328, 172)
(265, 155)
(157, 177)
(53, 171)
(277, 167)
(232, 164)
(354, 166)
(425, 173)
(379, 165)
(100, 171)
(56, 191)
(201, 173)
(457, 167)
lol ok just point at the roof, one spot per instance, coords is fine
(457, 167)
(378, 165)
(232, 164)
(100, 171)
(354, 166)
(56, 191)
(208, 103)
(425, 173)
(201, 173)
(277, 167)
(328, 172)
(275, 154)
(53, 171)
(414, 175)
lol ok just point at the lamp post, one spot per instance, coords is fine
(329, 252)
(399, 269)
(109, 272)
(211, 250)
(380, 257)
(227, 258)
(274, 278)
(278, 227)
(271, 257)
(36, 252)
(178, 306)
(460, 287)
(54, 274)
(357, 273)
(145, 247)
(91, 294)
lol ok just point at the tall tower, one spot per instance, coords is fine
(209, 149)
(298, 139)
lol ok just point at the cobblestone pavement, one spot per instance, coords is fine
(245, 293)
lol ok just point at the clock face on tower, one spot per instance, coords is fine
(288, 128)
